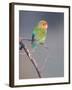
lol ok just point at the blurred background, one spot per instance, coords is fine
(51, 60)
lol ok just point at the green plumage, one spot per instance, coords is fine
(39, 36)
(39, 33)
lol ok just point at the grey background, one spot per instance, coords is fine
(50, 61)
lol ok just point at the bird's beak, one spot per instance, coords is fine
(46, 26)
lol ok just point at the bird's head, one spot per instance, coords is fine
(43, 24)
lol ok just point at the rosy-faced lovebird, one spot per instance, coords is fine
(39, 33)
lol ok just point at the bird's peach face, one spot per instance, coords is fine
(43, 25)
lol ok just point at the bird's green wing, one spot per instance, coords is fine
(38, 36)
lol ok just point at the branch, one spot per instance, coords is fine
(30, 58)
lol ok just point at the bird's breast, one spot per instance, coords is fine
(41, 36)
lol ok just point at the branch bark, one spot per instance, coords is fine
(30, 58)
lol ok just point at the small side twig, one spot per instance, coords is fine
(30, 58)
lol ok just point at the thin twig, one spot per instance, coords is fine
(30, 58)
